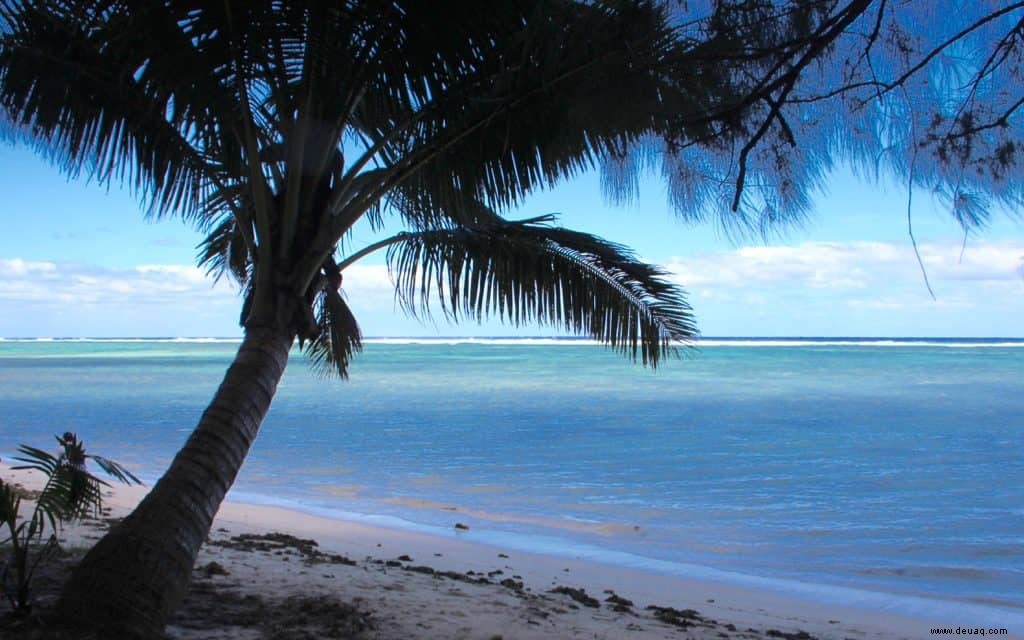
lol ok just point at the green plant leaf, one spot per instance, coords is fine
(530, 272)
(338, 338)
(114, 470)
(37, 459)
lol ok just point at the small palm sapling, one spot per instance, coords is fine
(71, 492)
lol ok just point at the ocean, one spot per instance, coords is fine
(883, 473)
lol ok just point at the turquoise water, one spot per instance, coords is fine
(881, 467)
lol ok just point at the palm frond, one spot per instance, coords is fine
(37, 459)
(69, 494)
(544, 101)
(338, 337)
(527, 271)
(10, 503)
(115, 470)
(223, 251)
(71, 491)
(100, 88)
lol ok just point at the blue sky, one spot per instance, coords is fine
(78, 259)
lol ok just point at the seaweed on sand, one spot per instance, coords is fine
(282, 543)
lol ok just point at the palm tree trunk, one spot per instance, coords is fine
(134, 577)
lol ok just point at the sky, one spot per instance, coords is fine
(79, 259)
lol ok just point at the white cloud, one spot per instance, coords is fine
(19, 267)
(74, 299)
(847, 266)
(814, 288)
(369, 287)
(149, 299)
(71, 283)
(903, 303)
(857, 288)
(977, 263)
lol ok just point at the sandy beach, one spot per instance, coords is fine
(269, 572)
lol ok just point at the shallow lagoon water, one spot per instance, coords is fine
(891, 467)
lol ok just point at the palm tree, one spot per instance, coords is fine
(276, 126)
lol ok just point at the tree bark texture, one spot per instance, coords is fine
(135, 576)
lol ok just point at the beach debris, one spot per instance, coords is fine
(618, 603)
(461, 527)
(283, 543)
(469, 576)
(509, 583)
(798, 635)
(214, 568)
(273, 541)
(682, 618)
(540, 613)
(454, 575)
(404, 558)
(502, 555)
(579, 595)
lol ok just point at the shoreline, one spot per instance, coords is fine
(919, 609)
(761, 611)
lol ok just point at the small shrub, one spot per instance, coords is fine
(70, 493)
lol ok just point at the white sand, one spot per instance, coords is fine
(407, 604)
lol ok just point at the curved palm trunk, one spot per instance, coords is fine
(131, 581)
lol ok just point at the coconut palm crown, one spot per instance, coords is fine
(276, 126)
(279, 126)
